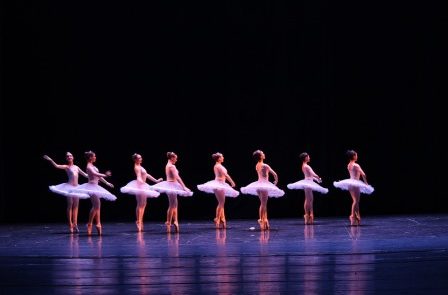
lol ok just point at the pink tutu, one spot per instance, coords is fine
(308, 183)
(95, 189)
(262, 185)
(136, 187)
(171, 187)
(212, 185)
(65, 189)
(346, 184)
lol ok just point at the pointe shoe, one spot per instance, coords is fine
(353, 220)
(217, 224)
(99, 229)
(168, 226)
(261, 223)
(70, 228)
(311, 219)
(89, 229)
(266, 224)
(176, 226)
(224, 223)
(75, 228)
(306, 218)
(358, 218)
(139, 226)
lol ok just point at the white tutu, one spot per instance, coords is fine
(262, 185)
(171, 187)
(65, 189)
(308, 183)
(212, 185)
(139, 188)
(347, 183)
(95, 189)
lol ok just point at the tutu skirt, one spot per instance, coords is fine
(95, 189)
(65, 189)
(307, 183)
(212, 185)
(346, 184)
(262, 185)
(139, 188)
(171, 187)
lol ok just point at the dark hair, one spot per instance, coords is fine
(134, 156)
(170, 155)
(216, 156)
(350, 154)
(302, 156)
(257, 155)
(89, 155)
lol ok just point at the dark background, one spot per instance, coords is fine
(228, 76)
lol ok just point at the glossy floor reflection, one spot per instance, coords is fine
(385, 255)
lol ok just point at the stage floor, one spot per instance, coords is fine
(385, 255)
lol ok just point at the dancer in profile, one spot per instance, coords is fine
(263, 188)
(140, 189)
(354, 186)
(65, 189)
(220, 188)
(172, 187)
(95, 191)
(309, 185)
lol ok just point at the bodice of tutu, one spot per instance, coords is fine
(143, 173)
(72, 173)
(220, 173)
(354, 172)
(92, 177)
(224, 170)
(263, 172)
(308, 172)
(171, 176)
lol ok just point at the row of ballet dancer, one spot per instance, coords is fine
(222, 186)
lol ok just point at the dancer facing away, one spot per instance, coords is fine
(95, 192)
(308, 185)
(65, 189)
(263, 188)
(172, 186)
(354, 186)
(140, 189)
(220, 188)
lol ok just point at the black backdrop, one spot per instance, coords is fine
(228, 76)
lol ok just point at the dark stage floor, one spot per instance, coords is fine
(385, 255)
